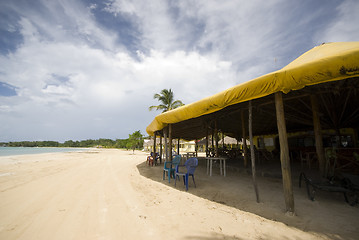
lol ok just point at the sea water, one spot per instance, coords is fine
(10, 151)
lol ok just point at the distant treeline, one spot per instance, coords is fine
(134, 141)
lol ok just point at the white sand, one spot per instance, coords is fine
(112, 194)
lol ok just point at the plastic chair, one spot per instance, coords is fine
(170, 167)
(191, 165)
(152, 159)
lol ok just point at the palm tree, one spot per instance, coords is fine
(166, 99)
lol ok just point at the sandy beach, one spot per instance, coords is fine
(113, 194)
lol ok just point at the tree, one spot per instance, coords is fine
(166, 98)
(135, 140)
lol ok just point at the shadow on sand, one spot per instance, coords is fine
(328, 215)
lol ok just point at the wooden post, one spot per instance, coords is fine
(244, 143)
(170, 141)
(223, 140)
(154, 143)
(196, 146)
(160, 149)
(154, 148)
(253, 158)
(178, 147)
(284, 154)
(207, 141)
(166, 145)
(212, 139)
(216, 137)
(318, 134)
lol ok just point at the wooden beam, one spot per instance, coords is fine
(318, 134)
(327, 102)
(284, 154)
(351, 116)
(305, 104)
(305, 115)
(344, 106)
(297, 119)
(253, 158)
(244, 141)
(285, 99)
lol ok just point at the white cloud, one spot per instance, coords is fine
(345, 26)
(98, 87)
(75, 80)
(153, 19)
(65, 21)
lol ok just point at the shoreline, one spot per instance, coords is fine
(32, 150)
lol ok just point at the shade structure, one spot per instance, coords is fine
(326, 63)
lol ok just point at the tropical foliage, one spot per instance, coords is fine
(166, 97)
(135, 141)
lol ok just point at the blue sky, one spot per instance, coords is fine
(77, 69)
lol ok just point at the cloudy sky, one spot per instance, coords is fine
(88, 69)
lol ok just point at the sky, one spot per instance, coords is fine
(88, 69)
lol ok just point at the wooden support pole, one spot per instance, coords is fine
(244, 143)
(196, 146)
(250, 128)
(223, 140)
(178, 147)
(154, 143)
(216, 137)
(154, 148)
(207, 141)
(284, 154)
(161, 149)
(166, 145)
(212, 139)
(170, 141)
(318, 134)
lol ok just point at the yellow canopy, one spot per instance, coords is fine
(324, 63)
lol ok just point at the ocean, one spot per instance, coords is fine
(10, 151)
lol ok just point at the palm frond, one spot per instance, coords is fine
(166, 97)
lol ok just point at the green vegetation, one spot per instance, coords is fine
(135, 141)
(166, 98)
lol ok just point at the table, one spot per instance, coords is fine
(186, 156)
(222, 165)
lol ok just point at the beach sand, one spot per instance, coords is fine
(113, 194)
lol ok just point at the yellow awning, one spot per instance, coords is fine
(324, 63)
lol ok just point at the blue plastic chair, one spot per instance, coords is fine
(191, 165)
(170, 167)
